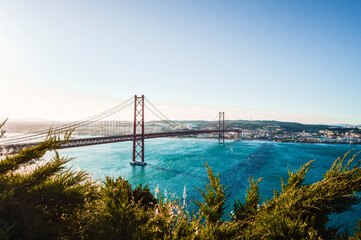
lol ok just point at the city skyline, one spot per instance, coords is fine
(266, 60)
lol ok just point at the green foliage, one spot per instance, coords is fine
(213, 209)
(296, 178)
(248, 210)
(123, 211)
(35, 199)
(214, 199)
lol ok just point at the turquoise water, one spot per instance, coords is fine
(175, 164)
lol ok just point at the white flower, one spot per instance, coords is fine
(184, 196)
(156, 191)
(165, 195)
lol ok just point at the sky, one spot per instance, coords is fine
(269, 60)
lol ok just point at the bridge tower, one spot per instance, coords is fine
(138, 141)
(221, 128)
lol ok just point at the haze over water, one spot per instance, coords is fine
(175, 163)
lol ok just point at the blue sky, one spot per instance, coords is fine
(277, 60)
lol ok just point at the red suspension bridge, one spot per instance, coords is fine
(115, 125)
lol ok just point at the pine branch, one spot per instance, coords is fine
(2, 132)
(29, 155)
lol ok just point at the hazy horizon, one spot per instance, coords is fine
(37, 120)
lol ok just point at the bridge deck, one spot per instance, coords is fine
(112, 139)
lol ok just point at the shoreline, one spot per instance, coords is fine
(271, 140)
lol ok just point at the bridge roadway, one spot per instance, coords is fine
(112, 139)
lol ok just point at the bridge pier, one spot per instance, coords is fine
(137, 163)
(138, 141)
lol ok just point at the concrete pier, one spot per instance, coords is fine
(136, 163)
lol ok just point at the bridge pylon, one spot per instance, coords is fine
(138, 140)
(221, 127)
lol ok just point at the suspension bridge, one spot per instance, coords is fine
(123, 122)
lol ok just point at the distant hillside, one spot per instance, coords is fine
(18, 126)
(276, 125)
(347, 125)
(266, 125)
(33, 126)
